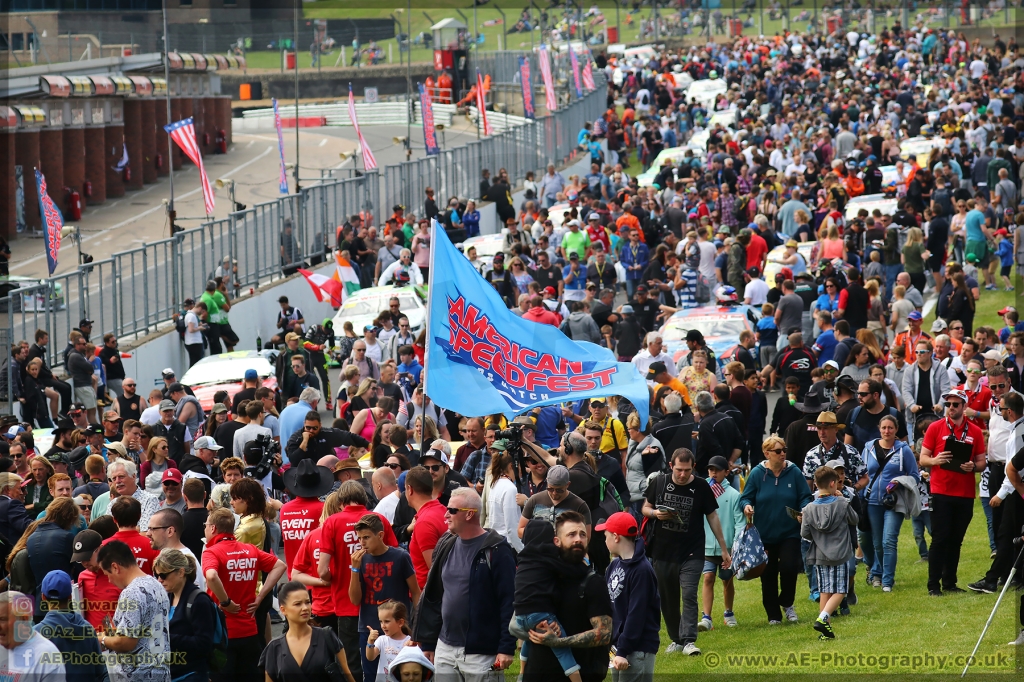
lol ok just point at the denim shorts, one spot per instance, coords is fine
(714, 564)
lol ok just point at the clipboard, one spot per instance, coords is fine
(961, 451)
(793, 513)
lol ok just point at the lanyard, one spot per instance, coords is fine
(952, 430)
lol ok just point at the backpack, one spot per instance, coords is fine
(649, 524)
(218, 657)
(608, 501)
(702, 292)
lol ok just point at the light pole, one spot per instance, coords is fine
(298, 4)
(170, 142)
(408, 72)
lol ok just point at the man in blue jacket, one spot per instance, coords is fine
(636, 606)
(13, 516)
(69, 632)
(462, 621)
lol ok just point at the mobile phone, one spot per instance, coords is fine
(108, 626)
(667, 509)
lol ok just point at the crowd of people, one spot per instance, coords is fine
(158, 541)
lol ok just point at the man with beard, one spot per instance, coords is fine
(584, 612)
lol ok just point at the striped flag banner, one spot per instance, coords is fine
(524, 78)
(588, 73)
(52, 222)
(368, 161)
(324, 288)
(481, 105)
(184, 135)
(575, 63)
(427, 114)
(346, 277)
(551, 100)
(283, 178)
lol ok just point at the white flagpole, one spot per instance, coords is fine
(426, 335)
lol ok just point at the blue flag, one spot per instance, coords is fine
(481, 359)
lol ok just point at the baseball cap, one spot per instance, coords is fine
(695, 336)
(12, 432)
(620, 523)
(915, 315)
(836, 464)
(251, 375)
(655, 369)
(573, 255)
(939, 325)
(56, 457)
(439, 455)
(955, 393)
(85, 322)
(754, 271)
(117, 447)
(1002, 231)
(167, 373)
(171, 475)
(86, 542)
(558, 476)
(992, 355)
(593, 216)
(1006, 310)
(176, 387)
(550, 291)
(833, 364)
(56, 585)
(718, 462)
(166, 405)
(219, 408)
(206, 443)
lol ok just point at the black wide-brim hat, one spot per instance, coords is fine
(308, 480)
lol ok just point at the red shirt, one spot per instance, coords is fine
(306, 559)
(981, 401)
(298, 518)
(599, 234)
(238, 564)
(542, 315)
(430, 526)
(100, 597)
(953, 483)
(757, 249)
(339, 540)
(140, 546)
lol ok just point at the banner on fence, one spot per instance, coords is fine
(482, 359)
(52, 222)
(369, 161)
(427, 112)
(551, 99)
(524, 78)
(588, 73)
(575, 63)
(481, 106)
(282, 179)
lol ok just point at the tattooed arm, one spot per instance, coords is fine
(599, 635)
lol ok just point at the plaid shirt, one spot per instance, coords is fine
(475, 468)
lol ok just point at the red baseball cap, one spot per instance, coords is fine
(620, 523)
(1006, 310)
(550, 290)
(171, 475)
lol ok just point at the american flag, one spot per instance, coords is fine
(545, 74)
(588, 73)
(184, 135)
(481, 105)
(52, 221)
(368, 160)
(575, 63)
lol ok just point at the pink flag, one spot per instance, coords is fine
(481, 105)
(588, 74)
(368, 160)
(545, 74)
(184, 135)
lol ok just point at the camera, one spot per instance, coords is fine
(259, 456)
(513, 434)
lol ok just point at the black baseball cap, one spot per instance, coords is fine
(86, 542)
(655, 369)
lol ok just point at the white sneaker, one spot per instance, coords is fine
(791, 614)
(775, 622)
(673, 647)
(705, 624)
(886, 588)
(730, 620)
(690, 649)
(1019, 641)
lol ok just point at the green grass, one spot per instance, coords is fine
(990, 302)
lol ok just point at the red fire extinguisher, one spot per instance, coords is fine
(159, 161)
(206, 139)
(75, 205)
(222, 142)
(88, 188)
(127, 173)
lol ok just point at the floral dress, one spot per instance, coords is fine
(696, 381)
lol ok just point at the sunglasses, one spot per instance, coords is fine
(128, 385)
(954, 405)
(997, 385)
(779, 451)
(433, 467)
(162, 576)
(311, 429)
(85, 507)
(393, 466)
(956, 329)
(922, 352)
(974, 371)
(171, 483)
(863, 393)
(455, 510)
(557, 491)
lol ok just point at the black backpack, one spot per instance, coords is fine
(218, 657)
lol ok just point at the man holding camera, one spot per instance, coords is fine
(314, 441)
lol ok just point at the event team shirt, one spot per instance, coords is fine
(141, 547)
(298, 519)
(430, 526)
(306, 560)
(338, 538)
(953, 483)
(238, 564)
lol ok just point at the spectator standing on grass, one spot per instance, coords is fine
(733, 522)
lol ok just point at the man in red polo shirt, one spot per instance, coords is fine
(232, 571)
(952, 492)
(126, 512)
(429, 524)
(338, 540)
(307, 482)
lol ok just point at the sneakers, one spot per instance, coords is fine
(673, 647)
(705, 624)
(844, 610)
(992, 555)
(825, 628)
(886, 588)
(876, 582)
(814, 596)
(1019, 641)
(775, 622)
(690, 649)
(934, 593)
(982, 586)
(851, 597)
(730, 619)
(791, 614)
(991, 287)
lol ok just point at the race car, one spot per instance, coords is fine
(226, 372)
(884, 203)
(675, 155)
(363, 307)
(772, 268)
(720, 325)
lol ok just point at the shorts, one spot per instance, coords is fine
(978, 248)
(1004, 271)
(833, 579)
(87, 396)
(713, 564)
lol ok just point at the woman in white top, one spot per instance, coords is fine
(502, 511)
(194, 333)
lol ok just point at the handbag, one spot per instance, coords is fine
(864, 522)
(749, 557)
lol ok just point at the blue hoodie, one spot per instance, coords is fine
(636, 606)
(72, 634)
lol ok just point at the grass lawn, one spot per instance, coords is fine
(991, 302)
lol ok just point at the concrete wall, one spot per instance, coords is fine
(389, 80)
(249, 317)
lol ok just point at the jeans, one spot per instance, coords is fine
(891, 272)
(641, 668)
(682, 629)
(922, 522)
(778, 582)
(631, 285)
(867, 547)
(563, 654)
(996, 476)
(812, 576)
(989, 526)
(885, 535)
(195, 353)
(453, 664)
(950, 518)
